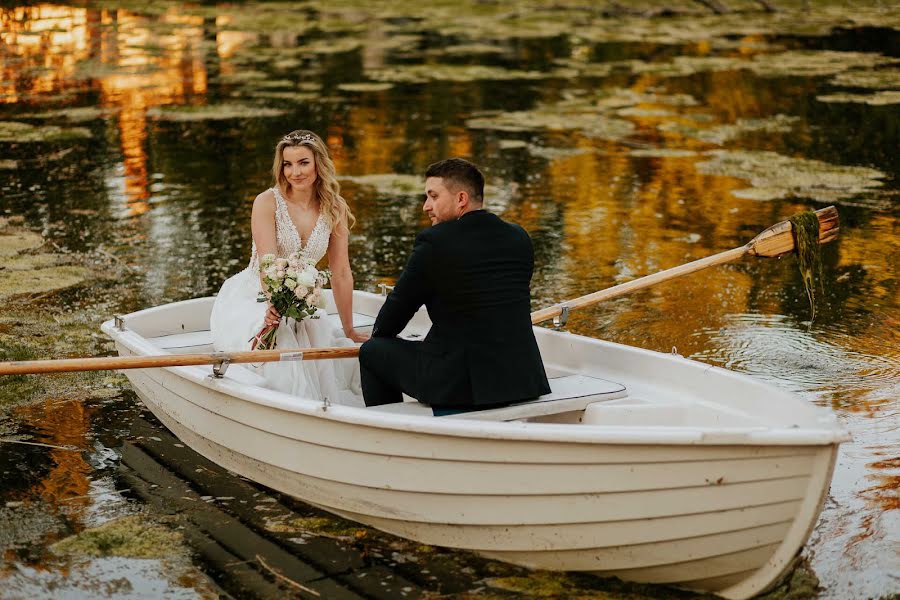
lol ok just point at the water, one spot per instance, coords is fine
(623, 147)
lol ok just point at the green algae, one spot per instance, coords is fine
(131, 537)
(882, 98)
(32, 273)
(390, 184)
(15, 282)
(15, 131)
(805, 231)
(440, 72)
(365, 86)
(774, 176)
(80, 114)
(719, 134)
(682, 66)
(331, 527)
(512, 144)
(662, 153)
(14, 241)
(812, 63)
(555, 118)
(212, 112)
(881, 79)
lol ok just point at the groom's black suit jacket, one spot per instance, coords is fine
(473, 275)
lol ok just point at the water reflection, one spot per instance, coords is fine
(170, 200)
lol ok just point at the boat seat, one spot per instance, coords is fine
(567, 394)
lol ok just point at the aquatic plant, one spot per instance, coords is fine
(128, 536)
(809, 255)
(18, 132)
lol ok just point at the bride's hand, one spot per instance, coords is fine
(272, 316)
(358, 336)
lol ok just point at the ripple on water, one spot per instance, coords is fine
(774, 348)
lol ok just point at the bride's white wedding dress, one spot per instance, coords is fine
(237, 317)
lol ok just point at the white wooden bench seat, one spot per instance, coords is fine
(568, 393)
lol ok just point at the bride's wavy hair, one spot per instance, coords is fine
(328, 190)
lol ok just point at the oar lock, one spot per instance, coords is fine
(221, 366)
(560, 320)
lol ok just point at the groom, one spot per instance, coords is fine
(472, 271)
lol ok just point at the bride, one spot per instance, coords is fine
(303, 212)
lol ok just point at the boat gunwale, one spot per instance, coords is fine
(511, 430)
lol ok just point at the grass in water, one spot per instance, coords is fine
(806, 240)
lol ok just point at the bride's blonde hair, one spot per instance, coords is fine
(328, 190)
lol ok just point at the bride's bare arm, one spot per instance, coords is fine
(262, 225)
(342, 279)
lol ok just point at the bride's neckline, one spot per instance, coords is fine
(294, 224)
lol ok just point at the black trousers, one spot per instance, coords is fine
(387, 368)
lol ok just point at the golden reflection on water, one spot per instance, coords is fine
(137, 68)
(609, 216)
(65, 424)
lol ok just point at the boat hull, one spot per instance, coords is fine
(700, 517)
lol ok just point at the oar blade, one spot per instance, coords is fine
(778, 239)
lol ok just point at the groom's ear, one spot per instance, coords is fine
(462, 198)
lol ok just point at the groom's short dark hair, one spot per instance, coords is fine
(459, 172)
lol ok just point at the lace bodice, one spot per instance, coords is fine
(287, 238)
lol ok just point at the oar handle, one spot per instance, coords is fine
(173, 360)
(550, 312)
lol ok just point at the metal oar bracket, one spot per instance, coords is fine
(220, 367)
(560, 320)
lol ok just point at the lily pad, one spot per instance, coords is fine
(212, 112)
(877, 99)
(8, 165)
(15, 131)
(775, 176)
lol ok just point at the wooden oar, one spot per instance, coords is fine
(172, 360)
(774, 241)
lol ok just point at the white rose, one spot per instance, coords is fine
(301, 291)
(306, 278)
(281, 263)
(270, 272)
(320, 300)
(267, 259)
(290, 283)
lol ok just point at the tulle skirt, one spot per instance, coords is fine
(237, 317)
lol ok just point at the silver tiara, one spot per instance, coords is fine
(298, 137)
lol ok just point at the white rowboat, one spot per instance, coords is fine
(641, 465)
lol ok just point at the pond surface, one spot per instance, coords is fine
(135, 135)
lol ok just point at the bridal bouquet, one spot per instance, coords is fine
(294, 287)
